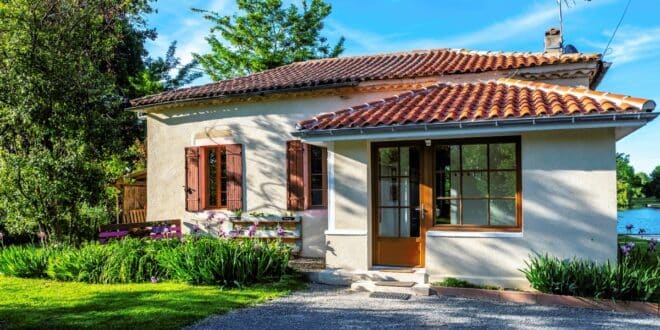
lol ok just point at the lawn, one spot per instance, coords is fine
(37, 303)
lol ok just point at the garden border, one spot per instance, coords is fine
(537, 298)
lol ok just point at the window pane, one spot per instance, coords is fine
(405, 161)
(317, 181)
(388, 225)
(475, 212)
(503, 212)
(317, 197)
(212, 179)
(503, 184)
(405, 192)
(503, 156)
(442, 158)
(455, 157)
(405, 222)
(447, 212)
(389, 192)
(474, 157)
(316, 160)
(388, 158)
(447, 184)
(475, 184)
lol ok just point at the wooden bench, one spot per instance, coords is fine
(152, 229)
(135, 216)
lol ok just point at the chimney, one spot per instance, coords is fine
(553, 41)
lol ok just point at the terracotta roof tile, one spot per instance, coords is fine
(501, 99)
(353, 70)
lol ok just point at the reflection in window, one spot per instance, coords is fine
(476, 184)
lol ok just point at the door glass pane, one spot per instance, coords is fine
(317, 197)
(475, 211)
(446, 212)
(405, 222)
(503, 184)
(503, 212)
(474, 157)
(475, 184)
(389, 192)
(503, 156)
(388, 158)
(405, 192)
(389, 222)
(404, 157)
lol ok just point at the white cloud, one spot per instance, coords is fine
(631, 44)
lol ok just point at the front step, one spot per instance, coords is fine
(419, 289)
(401, 275)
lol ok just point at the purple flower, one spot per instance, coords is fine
(280, 231)
(195, 229)
(652, 244)
(154, 279)
(251, 230)
(626, 249)
(210, 216)
(641, 231)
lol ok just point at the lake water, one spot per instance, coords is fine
(645, 217)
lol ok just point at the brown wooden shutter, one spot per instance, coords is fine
(193, 196)
(234, 176)
(295, 191)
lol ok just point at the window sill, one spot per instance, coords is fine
(483, 234)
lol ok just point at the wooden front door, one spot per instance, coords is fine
(399, 196)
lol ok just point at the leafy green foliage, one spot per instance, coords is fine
(265, 35)
(156, 77)
(652, 187)
(24, 261)
(458, 283)
(629, 279)
(64, 68)
(201, 260)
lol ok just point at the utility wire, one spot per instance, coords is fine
(625, 10)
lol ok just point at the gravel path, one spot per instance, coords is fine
(332, 307)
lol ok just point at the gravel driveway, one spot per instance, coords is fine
(332, 307)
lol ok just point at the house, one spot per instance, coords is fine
(461, 163)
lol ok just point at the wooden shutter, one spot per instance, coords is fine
(234, 176)
(193, 196)
(295, 188)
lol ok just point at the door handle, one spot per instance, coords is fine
(422, 213)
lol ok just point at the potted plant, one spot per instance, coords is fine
(236, 214)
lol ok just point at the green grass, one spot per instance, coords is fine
(457, 283)
(38, 303)
(642, 202)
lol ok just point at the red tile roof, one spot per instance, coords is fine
(349, 71)
(501, 99)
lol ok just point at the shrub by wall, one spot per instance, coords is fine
(196, 260)
(629, 279)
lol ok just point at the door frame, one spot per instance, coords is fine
(425, 194)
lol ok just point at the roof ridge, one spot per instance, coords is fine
(617, 99)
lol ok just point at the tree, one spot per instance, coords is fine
(652, 187)
(64, 83)
(624, 176)
(265, 35)
(156, 78)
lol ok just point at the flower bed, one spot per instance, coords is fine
(195, 260)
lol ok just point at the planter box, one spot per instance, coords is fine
(549, 299)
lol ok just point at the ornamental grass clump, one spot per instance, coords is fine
(206, 260)
(195, 260)
(632, 278)
(24, 261)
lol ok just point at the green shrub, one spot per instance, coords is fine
(212, 261)
(458, 283)
(203, 260)
(24, 261)
(629, 279)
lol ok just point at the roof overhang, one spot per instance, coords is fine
(624, 124)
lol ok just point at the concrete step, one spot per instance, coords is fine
(413, 288)
(417, 276)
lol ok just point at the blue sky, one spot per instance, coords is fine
(374, 26)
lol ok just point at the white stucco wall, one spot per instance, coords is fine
(568, 209)
(263, 128)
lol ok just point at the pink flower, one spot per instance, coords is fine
(251, 230)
